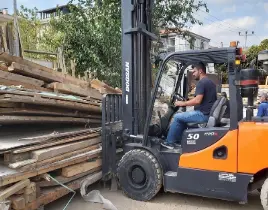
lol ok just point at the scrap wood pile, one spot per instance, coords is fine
(49, 127)
(29, 162)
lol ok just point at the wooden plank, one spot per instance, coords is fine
(21, 163)
(17, 202)
(13, 189)
(65, 77)
(74, 90)
(37, 94)
(12, 158)
(65, 180)
(50, 102)
(46, 111)
(57, 158)
(34, 73)
(10, 175)
(55, 142)
(19, 78)
(97, 84)
(58, 150)
(53, 194)
(80, 168)
(25, 85)
(7, 120)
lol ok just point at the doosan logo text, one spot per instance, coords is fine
(127, 76)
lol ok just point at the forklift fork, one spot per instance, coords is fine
(111, 136)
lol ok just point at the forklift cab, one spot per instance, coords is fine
(173, 84)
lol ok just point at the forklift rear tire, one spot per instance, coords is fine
(140, 175)
(264, 195)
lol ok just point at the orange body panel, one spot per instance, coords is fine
(204, 159)
(252, 147)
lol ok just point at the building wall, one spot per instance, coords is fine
(175, 43)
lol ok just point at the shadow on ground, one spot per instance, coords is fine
(166, 201)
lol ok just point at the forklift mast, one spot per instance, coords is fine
(123, 116)
(136, 66)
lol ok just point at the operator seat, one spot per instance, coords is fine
(215, 115)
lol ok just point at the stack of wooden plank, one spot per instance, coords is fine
(69, 157)
(49, 126)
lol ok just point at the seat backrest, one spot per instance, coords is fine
(217, 112)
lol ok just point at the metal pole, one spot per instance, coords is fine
(246, 36)
(16, 31)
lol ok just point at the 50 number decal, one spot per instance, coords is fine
(193, 136)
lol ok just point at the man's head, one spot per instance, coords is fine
(199, 70)
(263, 97)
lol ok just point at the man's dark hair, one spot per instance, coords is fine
(200, 65)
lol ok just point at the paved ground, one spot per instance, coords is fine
(163, 201)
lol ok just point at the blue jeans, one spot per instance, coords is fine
(179, 124)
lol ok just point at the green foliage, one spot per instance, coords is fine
(91, 32)
(253, 51)
(29, 26)
(36, 35)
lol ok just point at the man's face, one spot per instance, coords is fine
(262, 98)
(196, 73)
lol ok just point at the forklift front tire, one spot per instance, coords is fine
(264, 195)
(140, 175)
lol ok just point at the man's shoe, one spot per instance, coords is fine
(167, 145)
(177, 146)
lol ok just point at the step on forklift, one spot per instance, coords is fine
(215, 160)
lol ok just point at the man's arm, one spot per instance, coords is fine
(200, 89)
(260, 111)
(193, 102)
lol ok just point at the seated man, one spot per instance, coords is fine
(263, 107)
(205, 96)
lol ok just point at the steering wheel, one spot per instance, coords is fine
(176, 97)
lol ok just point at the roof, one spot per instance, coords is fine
(5, 18)
(54, 9)
(180, 31)
(216, 55)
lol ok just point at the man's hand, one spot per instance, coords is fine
(179, 103)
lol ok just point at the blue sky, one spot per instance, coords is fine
(222, 24)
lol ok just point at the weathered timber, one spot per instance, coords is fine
(73, 170)
(13, 189)
(39, 164)
(65, 77)
(19, 78)
(55, 142)
(58, 150)
(45, 111)
(50, 195)
(7, 120)
(50, 102)
(75, 90)
(64, 180)
(10, 175)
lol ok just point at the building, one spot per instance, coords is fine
(174, 40)
(46, 14)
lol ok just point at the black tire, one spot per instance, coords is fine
(264, 195)
(140, 175)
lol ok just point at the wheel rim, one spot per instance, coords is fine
(137, 177)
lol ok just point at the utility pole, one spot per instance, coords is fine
(16, 31)
(246, 34)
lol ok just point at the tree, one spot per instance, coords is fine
(36, 36)
(93, 32)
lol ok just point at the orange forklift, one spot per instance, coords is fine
(217, 160)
